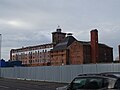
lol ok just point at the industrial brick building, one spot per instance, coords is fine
(72, 51)
(33, 55)
(64, 50)
(38, 55)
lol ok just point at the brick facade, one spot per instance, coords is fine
(32, 56)
(58, 36)
(64, 51)
(105, 54)
(87, 54)
(76, 53)
(59, 57)
(81, 52)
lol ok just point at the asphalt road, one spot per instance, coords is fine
(12, 84)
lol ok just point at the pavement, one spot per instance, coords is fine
(13, 84)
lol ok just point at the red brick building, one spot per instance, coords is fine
(72, 51)
(64, 51)
(37, 55)
(33, 55)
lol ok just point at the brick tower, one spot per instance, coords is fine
(57, 36)
(94, 46)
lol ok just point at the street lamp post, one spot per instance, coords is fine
(0, 44)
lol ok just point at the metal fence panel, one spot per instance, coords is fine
(49, 73)
(28, 73)
(16, 72)
(33, 73)
(65, 73)
(9, 73)
(57, 73)
(116, 67)
(2, 72)
(105, 68)
(40, 73)
(23, 73)
(76, 70)
(89, 68)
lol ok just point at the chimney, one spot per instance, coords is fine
(94, 46)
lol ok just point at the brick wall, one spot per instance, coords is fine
(76, 53)
(87, 54)
(105, 54)
(58, 57)
(35, 55)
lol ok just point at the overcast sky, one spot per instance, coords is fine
(30, 22)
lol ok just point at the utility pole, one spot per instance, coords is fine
(0, 44)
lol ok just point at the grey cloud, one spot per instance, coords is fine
(37, 17)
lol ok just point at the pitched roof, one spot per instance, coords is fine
(65, 43)
(84, 42)
(104, 45)
(69, 40)
(99, 44)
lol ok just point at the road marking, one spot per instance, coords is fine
(4, 87)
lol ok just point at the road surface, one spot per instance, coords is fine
(12, 84)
